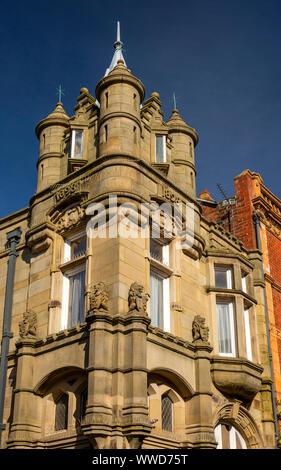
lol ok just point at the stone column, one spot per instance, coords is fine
(200, 431)
(135, 416)
(97, 424)
(26, 421)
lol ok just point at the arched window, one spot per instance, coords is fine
(167, 413)
(228, 437)
(61, 415)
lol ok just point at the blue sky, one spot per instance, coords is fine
(221, 58)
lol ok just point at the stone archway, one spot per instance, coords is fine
(237, 415)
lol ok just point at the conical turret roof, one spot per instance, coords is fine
(177, 124)
(57, 117)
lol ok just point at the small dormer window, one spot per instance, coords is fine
(77, 144)
(160, 148)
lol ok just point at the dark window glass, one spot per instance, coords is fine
(167, 413)
(61, 413)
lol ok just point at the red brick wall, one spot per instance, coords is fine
(274, 256)
(244, 228)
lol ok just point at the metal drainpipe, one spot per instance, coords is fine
(13, 238)
(256, 221)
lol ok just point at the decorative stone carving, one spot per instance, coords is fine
(99, 298)
(28, 326)
(200, 332)
(137, 300)
(70, 218)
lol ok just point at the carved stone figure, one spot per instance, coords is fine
(137, 300)
(70, 218)
(200, 332)
(99, 298)
(28, 326)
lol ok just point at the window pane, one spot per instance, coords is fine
(248, 335)
(78, 248)
(223, 277)
(77, 299)
(156, 300)
(160, 139)
(225, 328)
(244, 284)
(156, 250)
(77, 135)
(167, 413)
(61, 413)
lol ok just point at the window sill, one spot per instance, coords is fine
(232, 292)
(162, 269)
(73, 263)
(162, 167)
(75, 164)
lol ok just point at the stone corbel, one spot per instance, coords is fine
(40, 239)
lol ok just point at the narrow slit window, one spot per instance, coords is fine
(105, 133)
(106, 99)
(160, 149)
(167, 413)
(77, 144)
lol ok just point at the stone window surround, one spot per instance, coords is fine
(163, 270)
(155, 393)
(74, 391)
(69, 267)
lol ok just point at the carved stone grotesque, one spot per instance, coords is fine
(99, 298)
(200, 332)
(70, 218)
(137, 300)
(28, 326)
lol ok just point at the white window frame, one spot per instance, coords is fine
(66, 291)
(166, 319)
(66, 277)
(164, 147)
(230, 304)
(244, 283)
(73, 137)
(248, 334)
(228, 272)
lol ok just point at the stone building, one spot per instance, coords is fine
(118, 341)
(253, 198)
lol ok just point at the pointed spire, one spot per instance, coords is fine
(118, 46)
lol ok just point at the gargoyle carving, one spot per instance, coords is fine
(99, 298)
(28, 326)
(137, 300)
(200, 332)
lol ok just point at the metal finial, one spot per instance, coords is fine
(175, 101)
(118, 31)
(60, 92)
